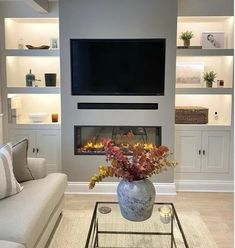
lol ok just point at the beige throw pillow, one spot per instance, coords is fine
(20, 164)
(8, 184)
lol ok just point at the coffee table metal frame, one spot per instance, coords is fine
(95, 228)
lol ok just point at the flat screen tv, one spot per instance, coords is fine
(117, 66)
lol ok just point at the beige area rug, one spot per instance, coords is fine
(74, 225)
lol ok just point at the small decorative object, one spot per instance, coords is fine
(186, 37)
(38, 116)
(105, 210)
(216, 117)
(209, 78)
(54, 43)
(212, 40)
(37, 47)
(136, 194)
(50, 79)
(165, 214)
(191, 115)
(220, 83)
(189, 74)
(30, 78)
(20, 43)
(54, 117)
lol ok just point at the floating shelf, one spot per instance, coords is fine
(32, 52)
(204, 52)
(33, 90)
(204, 91)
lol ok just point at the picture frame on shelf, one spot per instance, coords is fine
(54, 43)
(213, 40)
(189, 74)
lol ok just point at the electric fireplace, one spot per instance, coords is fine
(88, 139)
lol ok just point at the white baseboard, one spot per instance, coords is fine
(204, 185)
(111, 187)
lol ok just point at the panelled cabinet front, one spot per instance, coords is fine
(42, 144)
(202, 151)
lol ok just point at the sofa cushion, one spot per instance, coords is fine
(20, 164)
(25, 215)
(8, 244)
(8, 184)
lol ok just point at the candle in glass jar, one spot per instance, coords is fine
(54, 117)
(165, 214)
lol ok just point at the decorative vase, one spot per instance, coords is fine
(209, 84)
(186, 43)
(136, 199)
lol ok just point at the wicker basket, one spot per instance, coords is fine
(191, 115)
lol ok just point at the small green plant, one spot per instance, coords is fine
(209, 78)
(187, 35)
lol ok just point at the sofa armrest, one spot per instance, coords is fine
(9, 244)
(37, 167)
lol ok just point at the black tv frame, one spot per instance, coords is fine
(163, 40)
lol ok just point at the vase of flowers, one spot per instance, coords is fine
(136, 194)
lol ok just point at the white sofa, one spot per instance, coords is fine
(28, 218)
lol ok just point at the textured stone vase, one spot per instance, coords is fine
(136, 199)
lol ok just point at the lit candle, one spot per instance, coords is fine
(165, 214)
(54, 117)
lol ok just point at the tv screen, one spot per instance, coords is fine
(117, 66)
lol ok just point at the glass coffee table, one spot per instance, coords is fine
(108, 229)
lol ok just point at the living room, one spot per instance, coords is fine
(41, 101)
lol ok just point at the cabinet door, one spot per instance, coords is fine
(188, 151)
(16, 135)
(215, 146)
(48, 145)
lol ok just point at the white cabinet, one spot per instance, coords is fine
(42, 143)
(202, 151)
(215, 151)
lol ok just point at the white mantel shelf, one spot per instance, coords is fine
(32, 52)
(33, 90)
(204, 52)
(204, 91)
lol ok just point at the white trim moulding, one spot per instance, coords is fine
(111, 188)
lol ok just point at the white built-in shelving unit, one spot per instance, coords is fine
(44, 137)
(204, 150)
(35, 32)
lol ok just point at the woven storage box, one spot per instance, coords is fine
(191, 115)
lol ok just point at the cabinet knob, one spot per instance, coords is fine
(203, 152)
(33, 150)
(199, 152)
(37, 150)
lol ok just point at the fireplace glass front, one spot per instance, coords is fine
(88, 139)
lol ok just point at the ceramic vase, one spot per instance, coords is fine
(186, 43)
(136, 199)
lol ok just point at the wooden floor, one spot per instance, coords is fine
(216, 210)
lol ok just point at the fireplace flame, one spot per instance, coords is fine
(99, 147)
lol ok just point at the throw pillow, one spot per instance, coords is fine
(20, 164)
(8, 184)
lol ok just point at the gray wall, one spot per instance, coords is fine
(115, 19)
(205, 7)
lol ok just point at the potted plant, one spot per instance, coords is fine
(186, 36)
(209, 78)
(136, 194)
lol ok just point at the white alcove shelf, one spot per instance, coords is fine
(199, 24)
(18, 67)
(31, 103)
(222, 104)
(221, 65)
(31, 31)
